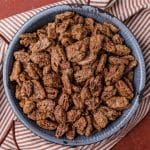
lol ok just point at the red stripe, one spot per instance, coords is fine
(4, 33)
(15, 22)
(10, 33)
(7, 130)
(131, 7)
(16, 18)
(10, 25)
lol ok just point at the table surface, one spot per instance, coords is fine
(139, 137)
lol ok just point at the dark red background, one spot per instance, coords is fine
(139, 137)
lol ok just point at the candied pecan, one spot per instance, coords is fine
(101, 63)
(28, 106)
(64, 16)
(38, 90)
(76, 89)
(28, 38)
(122, 50)
(65, 39)
(89, 24)
(131, 65)
(94, 66)
(76, 67)
(98, 28)
(111, 114)
(112, 27)
(80, 125)
(106, 30)
(114, 60)
(129, 83)
(63, 26)
(51, 80)
(62, 53)
(115, 73)
(64, 101)
(92, 103)
(117, 39)
(83, 74)
(85, 93)
(21, 103)
(129, 57)
(51, 31)
(96, 43)
(60, 114)
(32, 115)
(23, 76)
(37, 69)
(108, 92)
(46, 105)
(118, 102)
(48, 80)
(73, 115)
(78, 102)
(16, 70)
(66, 81)
(30, 69)
(18, 92)
(71, 134)
(51, 92)
(78, 32)
(77, 51)
(89, 128)
(61, 130)
(130, 76)
(109, 46)
(123, 89)
(42, 59)
(22, 56)
(65, 66)
(95, 85)
(100, 120)
(50, 116)
(40, 115)
(45, 124)
(45, 115)
(55, 58)
(40, 45)
(78, 19)
(95, 46)
(46, 69)
(42, 32)
(26, 89)
(118, 49)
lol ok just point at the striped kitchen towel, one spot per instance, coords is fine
(135, 14)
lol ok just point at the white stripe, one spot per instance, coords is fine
(100, 1)
(15, 22)
(98, 4)
(5, 33)
(9, 27)
(21, 22)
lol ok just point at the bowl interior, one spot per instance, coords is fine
(43, 18)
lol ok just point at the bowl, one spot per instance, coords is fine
(101, 16)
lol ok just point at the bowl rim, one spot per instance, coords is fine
(34, 129)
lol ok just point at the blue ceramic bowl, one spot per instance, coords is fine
(43, 18)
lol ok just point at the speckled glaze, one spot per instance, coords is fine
(43, 18)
